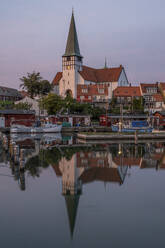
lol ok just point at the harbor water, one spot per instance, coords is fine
(58, 193)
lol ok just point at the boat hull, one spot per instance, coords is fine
(131, 130)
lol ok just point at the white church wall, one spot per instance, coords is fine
(111, 88)
(68, 82)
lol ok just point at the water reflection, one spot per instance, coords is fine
(75, 164)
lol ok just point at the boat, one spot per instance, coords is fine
(15, 128)
(133, 126)
(45, 128)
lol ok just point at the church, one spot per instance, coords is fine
(84, 83)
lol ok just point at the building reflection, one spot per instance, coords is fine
(76, 165)
(86, 167)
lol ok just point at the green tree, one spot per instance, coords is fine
(53, 103)
(45, 87)
(35, 85)
(138, 105)
(6, 104)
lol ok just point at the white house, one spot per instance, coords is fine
(34, 105)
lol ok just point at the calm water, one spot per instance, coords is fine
(67, 196)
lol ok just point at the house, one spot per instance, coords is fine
(162, 89)
(98, 94)
(126, 95)
(158, 103)
(74, 74)
(73, 119)
(9, 94)
(23, 117)
(34, 105)
(148, 90)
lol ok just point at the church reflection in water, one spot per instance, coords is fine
(77, 166)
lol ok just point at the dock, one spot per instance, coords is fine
(89, 137)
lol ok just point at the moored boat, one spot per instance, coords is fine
(47, 128)
(139, 126)
(20, 129)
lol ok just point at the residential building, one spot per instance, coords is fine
(75, 75)
(9, 94)
(12, 116)
(148, 90)
(125, 95)
(34, 105)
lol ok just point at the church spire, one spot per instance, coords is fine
(105, 66)
(72, 47)
(72, 206)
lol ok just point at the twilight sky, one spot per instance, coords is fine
(127, 32)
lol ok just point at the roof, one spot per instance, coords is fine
(24, 93)
(16, 112)
(101, 174)
(101, 75)
(145, 86)
(93, 89)
(5, 91)
(162, 85)
(57, 78)
(158, 97)
(72, 47)
(127, 91)
(95, 75)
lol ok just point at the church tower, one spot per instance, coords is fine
(71, 63)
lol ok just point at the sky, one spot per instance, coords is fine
(127, 32)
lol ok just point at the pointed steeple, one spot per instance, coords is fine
(72, 47)
(72, 206)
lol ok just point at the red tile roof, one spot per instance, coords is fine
(145, 86)
(95, 75)
(92, 89)
(162, 85)
(101, 75)
(101, 174)
(57, 78)
(158, 97)
(127, 91)
(24, 93)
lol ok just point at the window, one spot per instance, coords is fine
(81, 97)
(101, 91)
(81, 154)
(68, 58)
(89, 97)
(84, 90)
